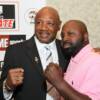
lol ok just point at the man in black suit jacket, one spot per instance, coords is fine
(22, 75)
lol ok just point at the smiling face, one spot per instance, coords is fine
(47, 24)
(74, 37)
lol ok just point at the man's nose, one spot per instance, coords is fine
(66, 38)
(44, 26)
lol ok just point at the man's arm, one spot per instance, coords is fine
(68, 92)
(14, 79)
(13, 76)
(53, 74)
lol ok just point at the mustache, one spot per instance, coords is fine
(43, 32)
(66, 43)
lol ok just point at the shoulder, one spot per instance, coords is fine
(16, 46)
(20, 45)
(93, 61)
(95, 57)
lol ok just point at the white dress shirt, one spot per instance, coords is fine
(43, 53)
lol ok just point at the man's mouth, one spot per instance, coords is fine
(44, 34)
(66, 44)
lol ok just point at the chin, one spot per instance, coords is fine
(44, 41)
(67, 52)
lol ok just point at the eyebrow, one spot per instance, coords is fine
(71, 32)
(42, 19)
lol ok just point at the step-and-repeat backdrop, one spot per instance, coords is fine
(16, 22)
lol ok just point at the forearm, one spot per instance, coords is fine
(69, 93)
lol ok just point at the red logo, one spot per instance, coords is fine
(6, 23)
(4, 42)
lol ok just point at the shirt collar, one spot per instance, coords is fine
(82, 53)
(42, 45)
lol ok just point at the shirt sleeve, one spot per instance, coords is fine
(7, 94)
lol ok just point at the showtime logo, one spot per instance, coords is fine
(6, 23)
(8, 18)
(4, 42)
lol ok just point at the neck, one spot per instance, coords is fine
(78, 49)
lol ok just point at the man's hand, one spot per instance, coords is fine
(15, 78)
(53, 74)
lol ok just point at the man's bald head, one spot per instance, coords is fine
(78, 24)
(49, 10)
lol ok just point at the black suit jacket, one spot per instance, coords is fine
(25, 55)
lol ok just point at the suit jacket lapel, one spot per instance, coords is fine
(62, 61)
(32, 53)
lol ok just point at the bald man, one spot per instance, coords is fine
(22, 74)
(81, 80)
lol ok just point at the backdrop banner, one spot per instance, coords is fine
(16, 22)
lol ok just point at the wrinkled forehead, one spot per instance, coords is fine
(75, 25)
(71, 27)
(48, 13)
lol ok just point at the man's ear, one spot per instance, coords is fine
(59, 25)
(86, 37)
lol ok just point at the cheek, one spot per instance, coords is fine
(74, 39)
(57, 29)
(51, 29)
(37, 28)
(54, 29)
(54, 33)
